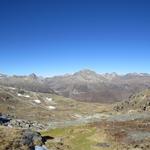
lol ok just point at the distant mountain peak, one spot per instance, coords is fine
(2, 75)
(33, 76)
(87, 75)
(86, 72)
(110, 76)
(137, 74)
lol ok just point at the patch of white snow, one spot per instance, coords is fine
(27, 96)
(49, 99)
(12, 88)
(20, 95)
(51, 107)
(37, 101)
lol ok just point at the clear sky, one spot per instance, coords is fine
(51, 37)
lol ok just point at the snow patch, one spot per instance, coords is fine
(37, 101)
(11, 88)
(51, 107)
(27, 96)
(49, 99)
(20, 95)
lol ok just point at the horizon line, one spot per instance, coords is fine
(45, 75)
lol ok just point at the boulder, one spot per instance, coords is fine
(4, 120)
(31, 139)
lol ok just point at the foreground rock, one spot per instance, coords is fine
(18, 139)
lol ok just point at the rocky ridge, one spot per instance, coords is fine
(85, 85)
(136, 102)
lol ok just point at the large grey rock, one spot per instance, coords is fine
(4, 119)
(31, 139)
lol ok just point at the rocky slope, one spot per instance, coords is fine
(89, 86)
(42, 107)
(30, 83)
(136, 102)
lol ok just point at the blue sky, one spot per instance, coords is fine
(51, 37)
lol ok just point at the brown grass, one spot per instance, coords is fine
(10, 139)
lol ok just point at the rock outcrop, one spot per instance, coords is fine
(20, 139)
(136, 102)
(5, 120)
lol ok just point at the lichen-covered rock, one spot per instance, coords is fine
(31, 138)
(20, 123)
(139, 102)
(18, 139)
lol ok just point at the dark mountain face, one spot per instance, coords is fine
(85, 85)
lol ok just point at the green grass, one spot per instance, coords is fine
(83, 137)
(81, 141)
(76, 137)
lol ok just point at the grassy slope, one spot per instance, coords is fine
(10, 139)
(102, 136)
(85, 137)
(26, 108)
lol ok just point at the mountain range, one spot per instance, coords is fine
(85, 85)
